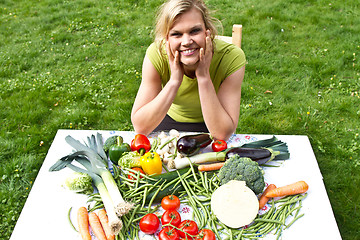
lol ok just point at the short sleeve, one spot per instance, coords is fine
(159, 61)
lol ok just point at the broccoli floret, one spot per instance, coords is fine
(243, 169)
(79, 183)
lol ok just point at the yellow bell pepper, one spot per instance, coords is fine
(151, 163)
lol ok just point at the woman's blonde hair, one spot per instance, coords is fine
(173, 8)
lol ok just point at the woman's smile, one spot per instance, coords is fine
(188, 52)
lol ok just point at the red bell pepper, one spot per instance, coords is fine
(140, 143)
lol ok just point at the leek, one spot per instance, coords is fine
(93, 158)
(115, 222)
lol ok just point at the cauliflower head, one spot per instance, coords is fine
(243, 169)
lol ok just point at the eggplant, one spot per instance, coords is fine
(191, 144)
(260, 155)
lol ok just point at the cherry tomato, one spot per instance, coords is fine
(149, 223)
(170, 202)
(171, 216)
(205, 234)
(169, 233)
(189, 227)
(219, 145)
(138, 170)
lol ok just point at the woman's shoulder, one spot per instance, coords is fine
(156, 48)
(223, 47)
(228, 53)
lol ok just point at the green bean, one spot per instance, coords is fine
(156, 193)
(296, 218)
(155, 144)
(202, 177)
(291, 211)
(144, 198)
(98, 205)
(69, 218)
(144, 176)
(132, 215)
(214, 228)
(164, 166)
(193, 171)
(139, 190)
(191, 200)
(171, 183)
(240, 234)
(167, 142)
(267, 220)
(137, 179)
(279, 234)
(196, 211)
(199, 189)
(206, 186)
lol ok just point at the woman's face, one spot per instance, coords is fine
(187, 36)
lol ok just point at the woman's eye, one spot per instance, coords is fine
(175, 34)
(196, 30)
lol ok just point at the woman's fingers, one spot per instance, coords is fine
(168, 51)
(208, 43)
(177, 57)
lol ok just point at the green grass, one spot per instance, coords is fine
(77, 65)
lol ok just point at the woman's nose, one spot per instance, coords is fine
(187, 39)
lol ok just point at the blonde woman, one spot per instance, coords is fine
(190, 81)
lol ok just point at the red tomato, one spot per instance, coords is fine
(169, 233)
(171, 216)
(189, 227)
(170, 202)
(149, 223)
(138, 170)
(219, 145)
(205, 234)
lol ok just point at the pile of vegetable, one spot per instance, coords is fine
(224, 187)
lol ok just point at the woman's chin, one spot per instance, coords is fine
(190, 63)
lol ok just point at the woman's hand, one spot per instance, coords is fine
(176, 68)
(205, 58)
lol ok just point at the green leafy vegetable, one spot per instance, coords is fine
(130, 160)
(79, 183)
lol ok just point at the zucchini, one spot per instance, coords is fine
(168, 177)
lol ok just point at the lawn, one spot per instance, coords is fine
(77, 65)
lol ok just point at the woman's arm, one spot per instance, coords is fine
(221, 111)
(152, 101)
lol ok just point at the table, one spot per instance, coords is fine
(44, 215)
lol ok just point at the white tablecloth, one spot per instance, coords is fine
(44, 215)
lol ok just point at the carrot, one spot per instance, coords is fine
(96, 226)
(263, 199)
(291, 189)
(105, 224)
(83, 223)
(211, 166)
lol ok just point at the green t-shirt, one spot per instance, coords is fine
(186, 106)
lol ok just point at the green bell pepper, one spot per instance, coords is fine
(117, 150)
